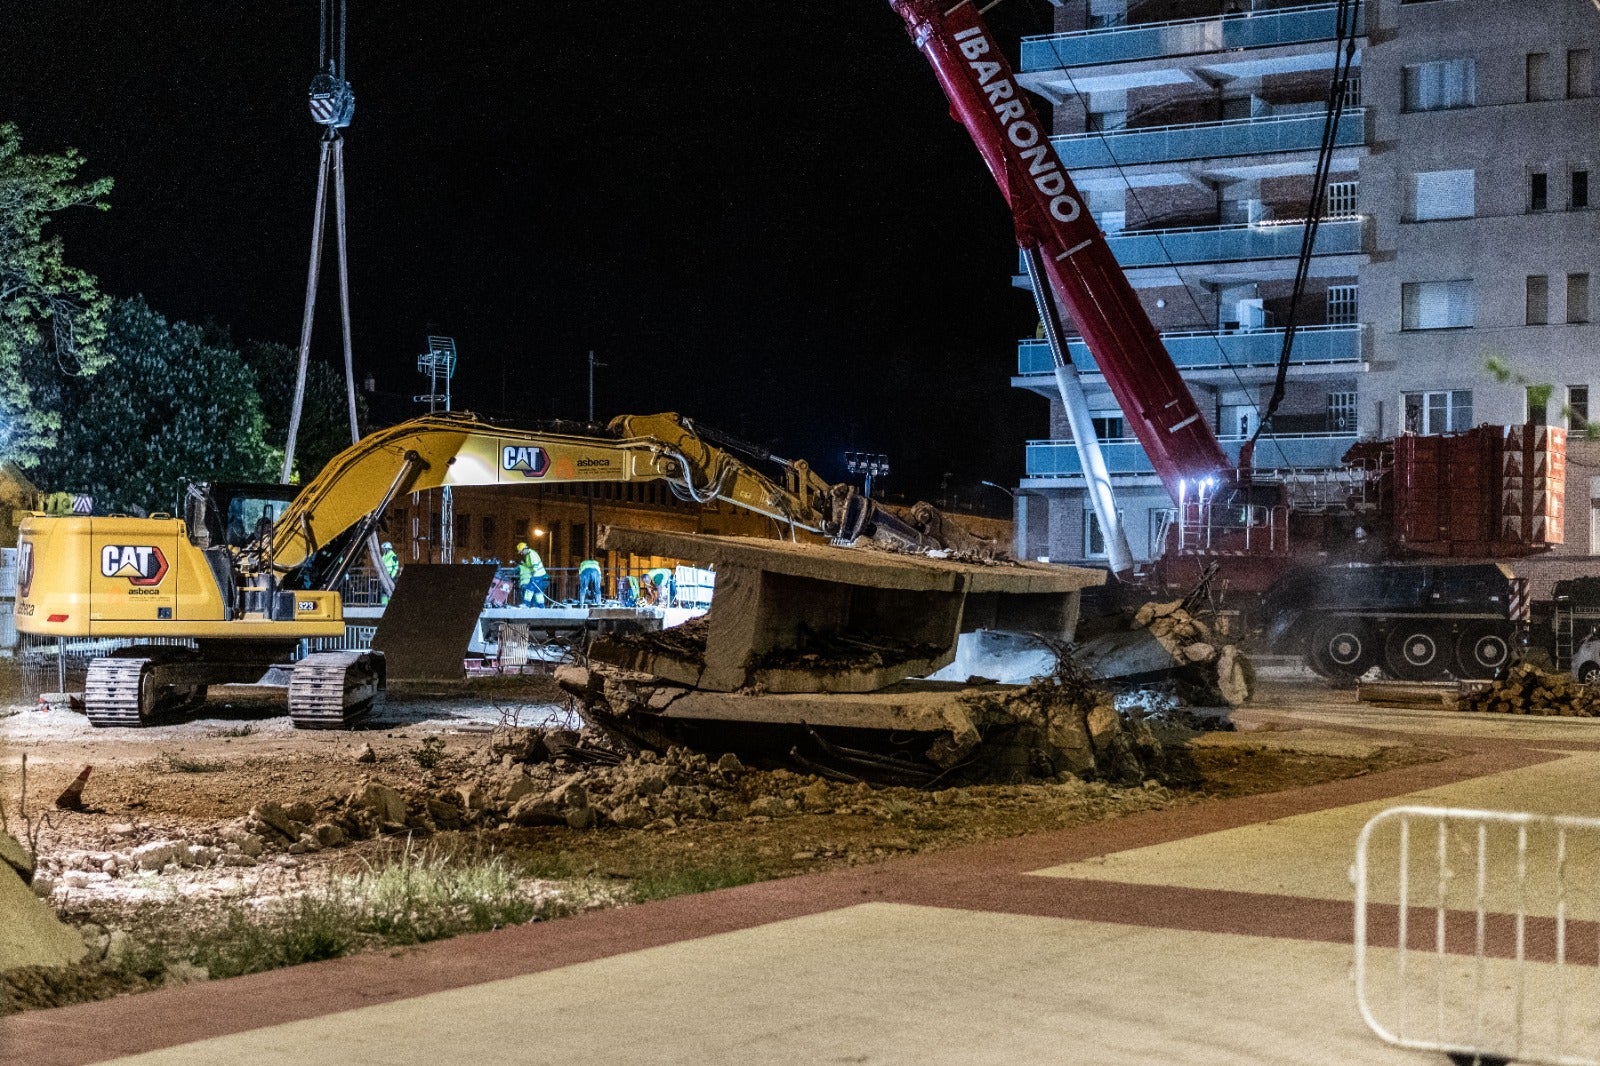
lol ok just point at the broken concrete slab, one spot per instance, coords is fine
(985, 731)
(30, 935)
(809, 618)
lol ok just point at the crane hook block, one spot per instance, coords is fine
(333, 102)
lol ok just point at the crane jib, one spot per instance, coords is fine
(1048, 213)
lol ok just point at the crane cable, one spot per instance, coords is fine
(1344, 46)
(1338, 93)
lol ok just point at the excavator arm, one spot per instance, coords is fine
(457, 450)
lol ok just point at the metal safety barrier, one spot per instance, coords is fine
(1477, 933)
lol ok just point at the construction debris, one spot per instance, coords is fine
(807, 659)
(1387, 693)
(1528, 690)
(1164, 642)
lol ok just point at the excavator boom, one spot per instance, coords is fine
(457, 450)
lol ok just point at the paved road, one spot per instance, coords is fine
(1218, 934)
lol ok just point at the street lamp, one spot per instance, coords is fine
(1002, 488)
(872, 464)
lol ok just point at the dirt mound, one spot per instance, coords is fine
(29, 934)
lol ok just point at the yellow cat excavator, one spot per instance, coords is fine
(249, 571)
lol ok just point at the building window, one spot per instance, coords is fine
(1439, 85)
(1110, 426)
(1538, 192)
(1538, 399)
(1106, 13)
(1538, 76)
(1436, 304)
(463, 532)
(1537, 312)
(488, 533)
(1432, 413)
(1343, 305)
(1577, 297)
(1580, 189)
(1580, 79)
(1577, 408)
(1442, 194)
(1094, 541)
(1341, 201)
(1342, 412)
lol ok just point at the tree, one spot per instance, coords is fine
(325, 417)
(52, 315)
(168, 407)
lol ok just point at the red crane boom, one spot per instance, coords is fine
(1049, 215)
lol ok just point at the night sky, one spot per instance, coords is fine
(759, 215)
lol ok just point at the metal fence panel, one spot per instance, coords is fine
(1477, 933)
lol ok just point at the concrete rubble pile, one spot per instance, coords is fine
(808, 657)
(1165, 644)
(1219, 666)
(1528, 690)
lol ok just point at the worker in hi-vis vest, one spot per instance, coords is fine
(531, 575)
(661, 586)
(391, 564)
(589, 583)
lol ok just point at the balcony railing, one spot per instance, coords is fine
(1300, 132)
(1118, 44)
(1208, 350)
(1284, 451)
(1221, 244)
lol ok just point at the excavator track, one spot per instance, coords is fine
(112, 692)
(133, 689)
(335, 689)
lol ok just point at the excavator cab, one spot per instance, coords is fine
(233, 514)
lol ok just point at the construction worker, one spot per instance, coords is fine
(531, 575)
(588, 582)
(391, 564)
(665, 586)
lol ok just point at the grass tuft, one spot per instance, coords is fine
(681, 880)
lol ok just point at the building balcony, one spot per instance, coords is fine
(1282, 452)
(1210, 350)
(1227, 244)
(1300, 132)
(1179, 37)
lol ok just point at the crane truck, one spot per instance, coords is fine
(1325, 580)
(247, 572)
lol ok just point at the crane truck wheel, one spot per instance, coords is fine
(1418, 651)
(1483, 648)
(1341, 649)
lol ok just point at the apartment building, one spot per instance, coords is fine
(1450, 280)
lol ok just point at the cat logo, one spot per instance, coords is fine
(24, 568)
(141, 564)
(529, 460)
